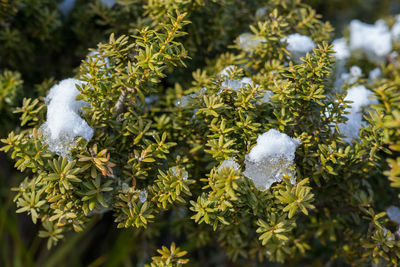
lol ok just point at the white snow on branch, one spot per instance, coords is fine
(239, 84)
(374, 40)
(342, 51)
(265, 98)
(353, 76)
(226, 71)
(360, 96)
(248, 41)
(396, 29)
(298, 45)
(63, 123)
(229, 163)
(374, 74)
(270, 159)
(183, 101)
(233, 84)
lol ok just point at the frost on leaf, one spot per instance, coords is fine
(270, 159)
(63, 123)
(359, 95)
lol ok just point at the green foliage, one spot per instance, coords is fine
(169, 257)
(165, 119)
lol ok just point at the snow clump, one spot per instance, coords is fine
(232, 83)
(348, 78)
(396, 29)
(248, 41)
(360, 97)
(341, 49)
(267, 96)
(298, 45)
(239, 84)
(374, 74)
(236, 84)
(270, 159)
(184, 100)
(229, 163)
(353, 76)
(63, 123)
(374, 40)
(342, 53)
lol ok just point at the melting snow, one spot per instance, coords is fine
(248, 41)
(298, 45)
(374, 40)
(63, 123)
(270, 159)
(360, 97)
(229, 163)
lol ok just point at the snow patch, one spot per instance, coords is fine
(298, 45)
(270, 159)
(374, 40)
(233, 84)
(229, 163)
(396, 29)
(226, 71)
(374, 74)
(350, 78)
(248, 41)
(360, 97)
(342, 51)
(266, 96)
(63, 123)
